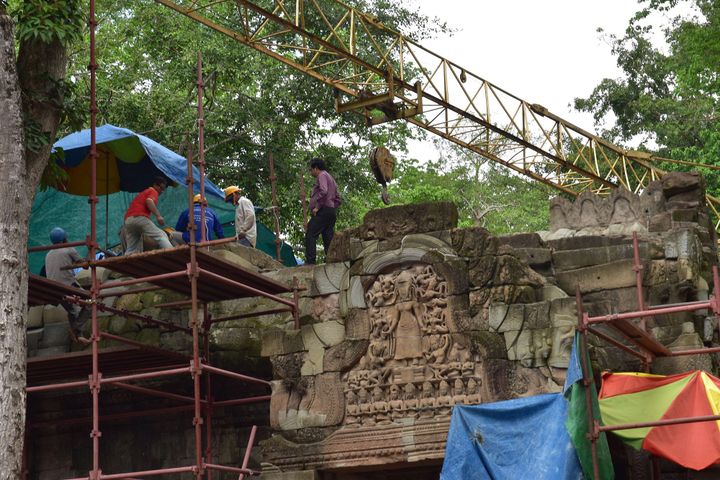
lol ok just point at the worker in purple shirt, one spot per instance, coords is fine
(324, 202)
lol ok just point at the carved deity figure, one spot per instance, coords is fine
(562, 339)
(366, 408)
(427, 401)
(404, 319)
(429, 285)
(437, 341)
(473, 395)
(408, 314)
(395, 403)
(380, 407)
(352, 411)
(410, 401)
(458, 392)
(444, 400)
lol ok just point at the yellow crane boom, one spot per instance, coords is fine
(385, 76)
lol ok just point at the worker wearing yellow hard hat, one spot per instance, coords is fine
(245, 228)
(212, 222)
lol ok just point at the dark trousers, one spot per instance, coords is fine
(322, 223)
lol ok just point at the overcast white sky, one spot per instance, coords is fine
(544, 51)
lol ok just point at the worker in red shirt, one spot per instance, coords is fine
(137, 218)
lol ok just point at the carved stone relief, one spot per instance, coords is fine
(414, 368)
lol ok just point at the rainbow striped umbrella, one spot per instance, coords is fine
(641, 397)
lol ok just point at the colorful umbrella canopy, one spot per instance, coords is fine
(641, 397)
(126, 162)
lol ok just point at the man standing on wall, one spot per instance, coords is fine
(137, 218)
(245, 227)
(324, 202)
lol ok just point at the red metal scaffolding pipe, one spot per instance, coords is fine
(208, 390)
(224, 468)
(147, 348)
(242, 286)
(248, 450)
(57, 386)
(695, 351)
(141, 376)
(619, 345)
(152, 392)
(237, 376)
(144, 473)
(587, 381)
(638, 269)
(250, 315)
(659, 423)
(241, 401)
(218, 241)
(95, 288)
(201, 145)
(196, 365)
(276, 220)
(149, 279)
(655, 311)
(55, 246)
(144, 318)
(696, 302)
(150, 288)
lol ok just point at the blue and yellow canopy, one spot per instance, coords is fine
(126, 162)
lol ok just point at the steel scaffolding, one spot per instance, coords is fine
(643, 346)
(189, 270)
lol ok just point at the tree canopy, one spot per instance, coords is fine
(669, 95)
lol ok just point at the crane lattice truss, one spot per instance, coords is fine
(385, 76)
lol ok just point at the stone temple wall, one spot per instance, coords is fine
(421, 315)
(411, 315)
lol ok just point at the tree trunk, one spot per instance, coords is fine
(37, 74)
(13, 260)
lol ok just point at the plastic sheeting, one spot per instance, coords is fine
(516, 439)
(126, 162)
(72, 212)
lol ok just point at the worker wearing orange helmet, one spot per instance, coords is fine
(245, 228)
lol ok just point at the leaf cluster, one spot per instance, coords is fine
(486, 194)
(668, 97)
(47, 21)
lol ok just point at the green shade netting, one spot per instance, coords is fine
(72, 212)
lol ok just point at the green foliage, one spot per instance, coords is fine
(668, 97)
(47, 21)
(486, 194)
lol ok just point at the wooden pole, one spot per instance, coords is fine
(276, 219)
(303, 200)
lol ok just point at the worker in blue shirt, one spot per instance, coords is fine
(212, 223)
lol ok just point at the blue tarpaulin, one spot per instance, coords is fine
(516, 439)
